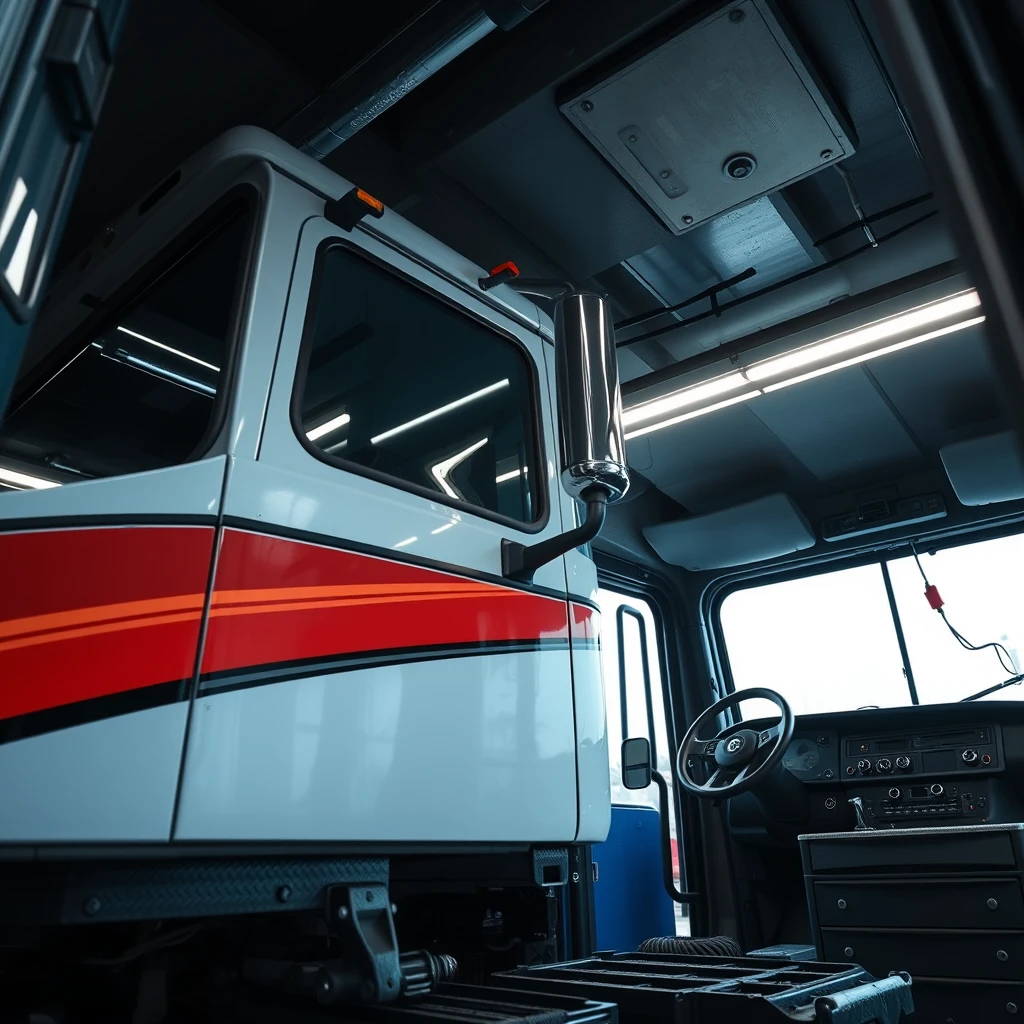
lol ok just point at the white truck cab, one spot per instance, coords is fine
(255, 592)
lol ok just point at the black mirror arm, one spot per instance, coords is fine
(666, 844)
(521, 561)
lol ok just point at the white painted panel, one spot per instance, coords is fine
(354, 507)
(190, 489)
(477, 749)
(591, 746)
(110, 781)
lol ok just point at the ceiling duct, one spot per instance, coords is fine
(723, 112)
(445, 30)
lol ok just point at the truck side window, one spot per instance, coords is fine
(398, 384)
(139, 393)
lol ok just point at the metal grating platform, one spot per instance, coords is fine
(450, 1004)
(675, 989)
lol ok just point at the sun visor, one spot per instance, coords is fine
(985, 470)
(759, 530)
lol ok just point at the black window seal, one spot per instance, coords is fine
(174, 252)
(299, 385)
(715, 595)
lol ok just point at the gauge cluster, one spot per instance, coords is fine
(813, 756)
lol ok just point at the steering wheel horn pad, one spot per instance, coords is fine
(736, 750)
(741, 758)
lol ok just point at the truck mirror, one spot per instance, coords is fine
(593, 451)
(592, 448)
(636, 763)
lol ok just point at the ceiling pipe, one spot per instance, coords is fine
(447, 29)
(741, 346)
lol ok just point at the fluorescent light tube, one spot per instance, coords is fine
(326, 428)
(17, 268)
(24, 480)
(863, 357)
(442, 469)
(427, 416)
(18, 194)
(840, 344)
(167, 348)
(683, 398)
(649, 427)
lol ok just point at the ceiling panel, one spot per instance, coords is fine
(837, 425)
(717, 460)
(944, 389)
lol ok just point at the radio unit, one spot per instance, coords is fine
(932, 800)
(935, 753)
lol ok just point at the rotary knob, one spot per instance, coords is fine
(864, 766)
(936, 789)
(969, 756)
(883, 764)
(894, 793)
(903, 762)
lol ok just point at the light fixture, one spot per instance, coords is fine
(11, 476)
(681, 399)
(445, 466)
(735, 400)
(167, 348)
(510, 475)
(330, 425)
(427, 416)
(816, 359)
(840, 344)
(864, 356)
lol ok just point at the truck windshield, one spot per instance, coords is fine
(830, 642)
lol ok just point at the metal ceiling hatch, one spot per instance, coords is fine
(724, 111)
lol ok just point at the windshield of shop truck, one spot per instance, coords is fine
(868, 636)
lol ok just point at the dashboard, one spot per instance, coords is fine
(954, 764)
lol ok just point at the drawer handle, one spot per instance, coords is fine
(1001, 954)
(1011, 1007)
(841, 904)
(849, 951)
(992, 904)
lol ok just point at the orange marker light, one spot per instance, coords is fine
(369, 200)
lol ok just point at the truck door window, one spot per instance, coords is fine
(826, 643)
(139, 392)
(984, 601)
(397, 384)
(627, 693)
(829, 642)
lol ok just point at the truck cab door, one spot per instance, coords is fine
(368, 675)
(56, 58)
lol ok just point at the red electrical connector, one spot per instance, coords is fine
(932, 593)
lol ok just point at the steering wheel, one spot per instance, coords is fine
(739, 758)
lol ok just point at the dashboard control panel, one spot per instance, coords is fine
(942, 752)
(914, 803)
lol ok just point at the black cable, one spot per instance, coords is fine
(802, 276)
(1000, 650)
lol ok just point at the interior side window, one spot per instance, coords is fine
(401, 384)
(140, 393)
(635, 702)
